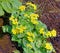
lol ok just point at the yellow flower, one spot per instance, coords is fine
(28, 45)
(31, 4)
(15, 31)
(28, 3)
(30, 34)
(26, 15)
(34, 16)
(48, 46)
(53, 33)
(15, 21)
(22, 28)
(22, 8)
(18, 30)
(41, 31)
(30, 39)
(48, 34)
(11, 18)
(34, 6)
(34, 21)
(21, 31)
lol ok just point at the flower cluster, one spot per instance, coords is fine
(29, 32)
(14, 20)
(30, 36)
(32, 5)
(18, 30)
(51, 33)
(22, 8)
(48, 46)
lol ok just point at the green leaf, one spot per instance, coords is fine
(43, 50)
(38, 43)
(6, 28)
(41, 25)
(5, 7)
(15, 4)
(19, 42)
(16, 51)
(1, 11)
(14, 38)
(9, 7)
(24, 42)
(49, 51)
(38, 51)
(20, 35)
(28, 50)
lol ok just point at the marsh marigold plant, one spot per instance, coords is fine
(29, 32)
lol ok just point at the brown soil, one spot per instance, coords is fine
(50, 16)
(6, 45)
(1, 22)
(53, 23)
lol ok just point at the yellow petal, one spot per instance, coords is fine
(53, 32)
(28, 45)
(22, 8)
(48, 46)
